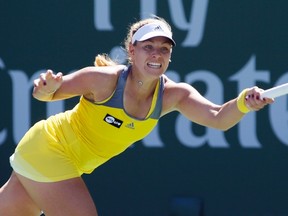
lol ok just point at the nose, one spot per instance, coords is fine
(156, 53)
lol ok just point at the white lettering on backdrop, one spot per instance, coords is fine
(194, 26)
(21, 84)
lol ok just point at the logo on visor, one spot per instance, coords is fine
(113, 121)
(158, 28)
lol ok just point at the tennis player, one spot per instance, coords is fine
(119, 105)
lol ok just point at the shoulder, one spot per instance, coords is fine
(95, 83)
(97, 76)
(172, 87)
(103, 80)
(103, 70)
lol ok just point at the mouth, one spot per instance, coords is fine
(154, 65)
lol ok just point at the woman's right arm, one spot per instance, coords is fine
(93, 82)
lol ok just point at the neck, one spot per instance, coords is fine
(138, 81)
(141, 84)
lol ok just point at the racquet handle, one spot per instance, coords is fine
(274, 92)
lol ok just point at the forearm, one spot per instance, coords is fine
(248, 100)
(228, 115)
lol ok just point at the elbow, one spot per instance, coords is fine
(225, 127)
(221, 128)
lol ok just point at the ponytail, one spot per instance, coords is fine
(103, 60)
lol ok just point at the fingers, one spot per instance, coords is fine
(253, 103)
(49, 75)
(48, 80)
(253, 100)
(59, 76)
(36, 82)
(42, 78)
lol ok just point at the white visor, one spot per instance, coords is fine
(151, 30)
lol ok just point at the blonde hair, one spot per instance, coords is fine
(105, 60)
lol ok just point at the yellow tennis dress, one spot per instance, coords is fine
(77, 141)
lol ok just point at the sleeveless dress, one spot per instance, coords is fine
(77, 141)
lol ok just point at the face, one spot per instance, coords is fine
(151, 56)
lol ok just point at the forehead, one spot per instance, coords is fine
(159, 39)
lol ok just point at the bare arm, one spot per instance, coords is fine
(189, 102)
(95, 83)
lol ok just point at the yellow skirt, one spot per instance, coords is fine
(51, 152)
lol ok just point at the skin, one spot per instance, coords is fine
(150, 60)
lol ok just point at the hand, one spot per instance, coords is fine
(48, 83)
(253, 100)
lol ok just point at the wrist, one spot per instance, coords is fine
(241, 105)
(51, 92)
(43, 95)
(47, 92)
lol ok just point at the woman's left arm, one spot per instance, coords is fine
(189, 102)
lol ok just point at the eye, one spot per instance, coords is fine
(165, 50)
(148, 47)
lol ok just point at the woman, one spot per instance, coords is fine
(118, 106)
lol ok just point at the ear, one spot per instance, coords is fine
(131, 49)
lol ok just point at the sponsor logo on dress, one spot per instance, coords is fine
(113, 121)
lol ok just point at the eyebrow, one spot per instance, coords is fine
(167, 41)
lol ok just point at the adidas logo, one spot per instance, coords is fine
(130, 125)
(158, 28)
